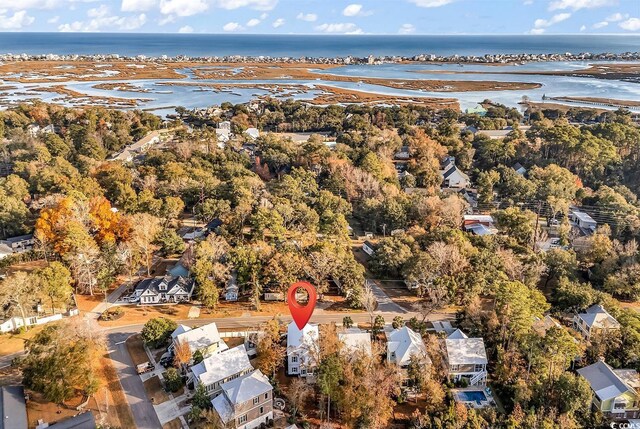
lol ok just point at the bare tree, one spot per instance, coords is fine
(297, 393)
(144, 233)
(369, 301)
(18, 290)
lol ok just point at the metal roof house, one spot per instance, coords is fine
(615, 391)
(402, 343)
(466, 358)
(595, 319)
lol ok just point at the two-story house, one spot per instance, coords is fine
(466, 358)
(220, 368)
(160, 290)
(205, 339)
(595, 320)
(452, 176)
(245, 402)
(300, 349)
(615, 391)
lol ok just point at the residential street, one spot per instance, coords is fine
(141, 408)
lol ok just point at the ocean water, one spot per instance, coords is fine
(131, 44)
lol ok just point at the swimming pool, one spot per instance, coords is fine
(472, 396)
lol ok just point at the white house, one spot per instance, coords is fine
(253, 133)
(220, 368)
(466, 358)
(160, 290)
(300, 348)
(615, 391)
(205, 339)
(594, 320)
(583, 221)
(402, 343)
(355, 340)
(452, 176)
(245, 402)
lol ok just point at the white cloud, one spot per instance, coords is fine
(253, 22)
(431, 3)
(53, 20)
(600, 24)
(616, 17)
(631, 24)
(355, 9)
(278, 23)
(183, 7)
(19, 20)
(263, 16)
(20, 5)
(527, 2)
(407, 29)
(101, 19)
(232, 26)
(309, 17)
(580, 4)
(27, 4)
(583, 27)
(137, 5)
(166, 20)
(186, 29)
(343, 28)
(98, 12)
(253, 4)
(536, 31)
(544, 23)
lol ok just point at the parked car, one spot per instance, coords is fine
(145, 367)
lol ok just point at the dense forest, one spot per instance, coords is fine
(285, 208)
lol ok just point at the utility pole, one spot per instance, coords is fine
(535, 231)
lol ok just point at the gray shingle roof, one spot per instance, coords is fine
(13, 407)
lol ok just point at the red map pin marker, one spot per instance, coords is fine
(301, 314)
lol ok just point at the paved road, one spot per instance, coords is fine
(141, 408)
(6, 360)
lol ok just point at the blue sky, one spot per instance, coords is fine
(325, 16)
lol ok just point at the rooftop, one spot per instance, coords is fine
(248, 386)
(604, 381)
(405, 342)
(13, 408)
(222, 365)
(202, 337)
(466, 351)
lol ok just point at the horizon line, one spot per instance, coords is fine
(637, 34)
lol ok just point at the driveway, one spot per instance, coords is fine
(141, 408)
(385, 304)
